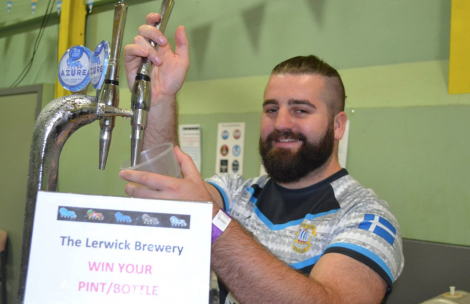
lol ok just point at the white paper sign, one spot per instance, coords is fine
(190, 142)
(100, 249)
(230, 148)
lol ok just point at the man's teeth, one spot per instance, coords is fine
(287, 140)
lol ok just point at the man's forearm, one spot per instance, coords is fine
(162, 125)
(255, 276)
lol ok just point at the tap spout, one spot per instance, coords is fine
(110, 91)
(140, 102)
(55, 124)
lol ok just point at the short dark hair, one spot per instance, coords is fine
(305, 65)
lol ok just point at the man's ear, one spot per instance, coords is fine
(340, 124)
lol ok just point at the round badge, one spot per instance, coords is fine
(99, 64)
(73, 68)
(236, 150)
(236, 134)
(224, 150)
(235, 166)
(224, 134)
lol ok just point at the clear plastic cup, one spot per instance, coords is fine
(160, 159)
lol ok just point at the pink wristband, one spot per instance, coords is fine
(220, 223)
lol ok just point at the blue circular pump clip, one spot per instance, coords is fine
(73, 70)
(99, 64)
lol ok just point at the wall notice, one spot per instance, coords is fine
(230, 148)
(190, 142)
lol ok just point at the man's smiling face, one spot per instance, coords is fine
(297, 134)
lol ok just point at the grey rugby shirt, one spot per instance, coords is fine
(298, 226)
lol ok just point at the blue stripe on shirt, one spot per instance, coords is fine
(307, 262)
(224, 196)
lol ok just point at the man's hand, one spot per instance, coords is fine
(170, 67)
(191, 187)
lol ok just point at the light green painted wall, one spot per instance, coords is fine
(16, 49)
(416, 158)
(230, 39)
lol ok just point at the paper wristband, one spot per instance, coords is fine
(219, 224)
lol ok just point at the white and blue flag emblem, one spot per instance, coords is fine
(380, 226)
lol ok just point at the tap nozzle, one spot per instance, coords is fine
(109, 94)
(140, 102)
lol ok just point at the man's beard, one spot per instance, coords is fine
(287, 166)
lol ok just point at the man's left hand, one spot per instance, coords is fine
(150, 185)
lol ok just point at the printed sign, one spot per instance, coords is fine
(190, 142)
(100, 249)
(230, 145)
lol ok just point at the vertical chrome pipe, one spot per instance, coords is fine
(110, 91)
(140, 102)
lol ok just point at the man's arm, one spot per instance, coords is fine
(167, 76)
(254, 276)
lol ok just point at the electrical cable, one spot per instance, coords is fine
(45, 20)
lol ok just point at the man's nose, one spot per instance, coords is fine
(284, 121)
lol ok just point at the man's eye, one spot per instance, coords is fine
(301, 111)
(271, 110)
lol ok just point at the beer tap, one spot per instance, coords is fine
(140, 102)
(62, 117)
(110, 92)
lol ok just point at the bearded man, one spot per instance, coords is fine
(305, 233)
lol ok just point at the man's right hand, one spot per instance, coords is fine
(170, 67)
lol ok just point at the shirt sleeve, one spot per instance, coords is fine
(370, 234)
(228, 187)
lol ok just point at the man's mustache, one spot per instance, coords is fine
(287, 134)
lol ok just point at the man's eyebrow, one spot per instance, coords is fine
(270, 102)
(300, 102)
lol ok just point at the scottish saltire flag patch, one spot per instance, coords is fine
(379, 226)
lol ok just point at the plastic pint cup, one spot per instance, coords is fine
(160, 159)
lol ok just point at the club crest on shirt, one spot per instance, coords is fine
(303, 238)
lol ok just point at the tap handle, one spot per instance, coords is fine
(165, 12)
(120, 13)
(140, 102)
(109, 94)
